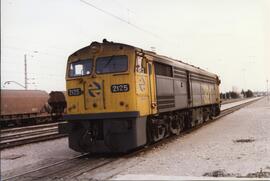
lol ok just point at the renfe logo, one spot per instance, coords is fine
(94, 89)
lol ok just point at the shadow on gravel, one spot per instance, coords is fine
(259, 174)
(102, 155)
(220, 173)
(131, 153)
(223, 173)
(249, 140)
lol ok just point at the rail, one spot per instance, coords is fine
(96, 164)
(30, 134)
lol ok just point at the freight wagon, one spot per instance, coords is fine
(29, 107)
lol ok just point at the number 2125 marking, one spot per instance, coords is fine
(120, 88)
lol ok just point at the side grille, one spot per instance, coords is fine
(165, 102)
(179, 73)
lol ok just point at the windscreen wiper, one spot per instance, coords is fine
(109, 61)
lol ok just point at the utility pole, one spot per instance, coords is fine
(25, 72)
(25, 69)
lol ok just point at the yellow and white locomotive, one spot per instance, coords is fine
(121, 97)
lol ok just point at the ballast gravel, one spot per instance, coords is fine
(237, 145)
(25, 158)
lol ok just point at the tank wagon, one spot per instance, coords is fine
(20, 107)
(28, 107)
(120, 97)
(58, 104)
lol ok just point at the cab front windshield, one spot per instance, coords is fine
(103, 65)
(80, 68)
(111, 64)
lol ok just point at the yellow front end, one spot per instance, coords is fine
(107, 85)
(110, 93)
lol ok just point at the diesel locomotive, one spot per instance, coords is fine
(120, 97)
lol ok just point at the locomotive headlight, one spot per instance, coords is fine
(95, 47)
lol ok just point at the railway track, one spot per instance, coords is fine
(103, 166)
(29, 134)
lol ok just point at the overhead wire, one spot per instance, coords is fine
(173, 43)
(127, 9)
(120, 19)
(107, 13)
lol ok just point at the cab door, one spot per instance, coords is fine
(152, 87)
(145, 86)
(142, 86)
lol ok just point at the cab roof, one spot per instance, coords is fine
(156, 57)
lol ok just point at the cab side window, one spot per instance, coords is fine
(141, 65)
(163, 69)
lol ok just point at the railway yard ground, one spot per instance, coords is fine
(236, 145)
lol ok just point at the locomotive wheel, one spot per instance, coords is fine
(158, 132)
(211, 113)
(86, 140)
(206, 118)
(206, 115)
(177, 125)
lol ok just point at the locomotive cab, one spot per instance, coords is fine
(111, 90)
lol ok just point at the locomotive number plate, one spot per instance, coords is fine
(119, 88)
(74, 92)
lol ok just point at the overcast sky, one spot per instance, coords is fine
(228, 37)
